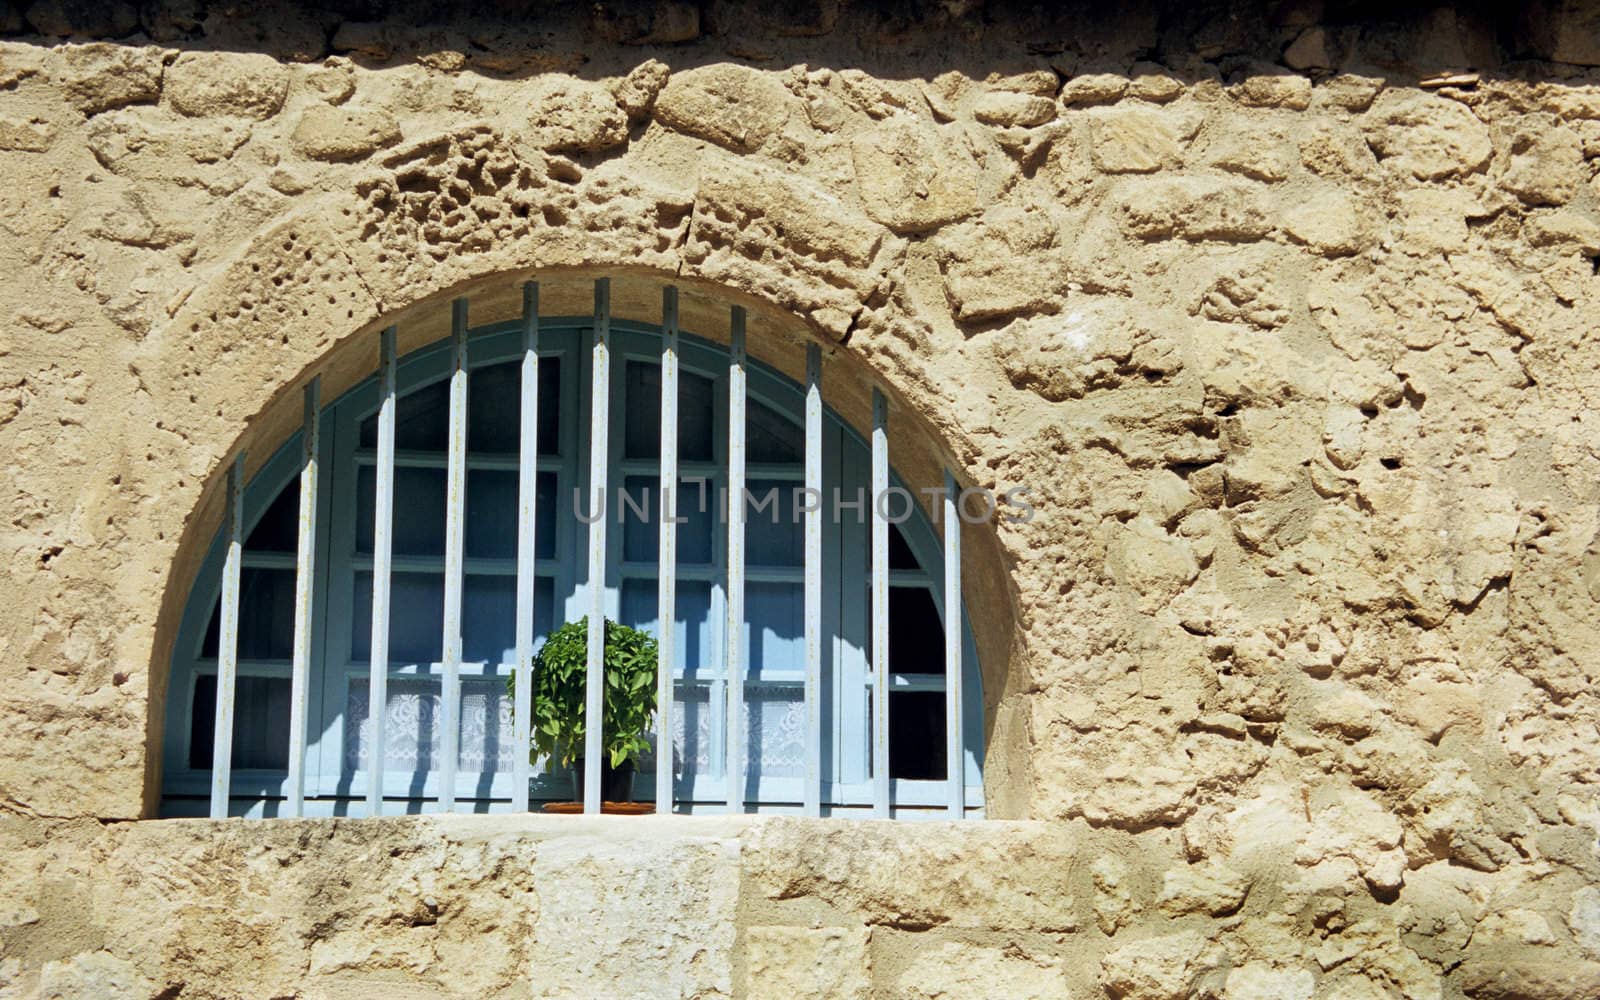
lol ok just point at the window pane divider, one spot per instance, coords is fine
(412, 459)
(270, 560)
(471, 565)
(733, 638)
(667, 561)
(599, 442)
(880, 606)
(527, 562)
(227, 645)
(454, 544)
(305, 567)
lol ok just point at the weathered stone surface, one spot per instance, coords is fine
(246, 85)
(1136, 142)
(86, 18)
(344, 132)
(1274, 90)
(962, 970)
(1545, 165)
(796, 963)
(26, 136)
(1566, 31)
(1195, 208)
(1328, 222)
(1013, 110)
(100, 76)
(1158, 968)
(1295, 661)
(569, 115)
(914, 176)
(1429, 137)
(733, 106)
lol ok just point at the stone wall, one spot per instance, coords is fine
(1283, 312)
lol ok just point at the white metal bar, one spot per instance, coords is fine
(667, 592)
(527, 562)
(733, 634)
(813, 585)
(227, 646)
(382, 549)
(880, 606)
(599, 448)
(454, 541)
(304, 574)
(954, 745)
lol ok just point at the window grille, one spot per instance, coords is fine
(395, 451)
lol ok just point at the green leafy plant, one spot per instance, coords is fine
(560, 690)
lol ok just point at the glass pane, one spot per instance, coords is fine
(916, 636)
(419, 515)
(411, 726)
(260, 723)
(775, 613)
(266, 616)
(691, 732)
(494, 407)
(279, 527)
(421, 420)
(771, 436)
(488, 616)
(491, 520)
(416, 618)
(698, 400)
(641, 537)
(916, 735)
(695, 653)
(774, 530)
(776, 730)
(900, 554)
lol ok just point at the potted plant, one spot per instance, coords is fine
(560, 691)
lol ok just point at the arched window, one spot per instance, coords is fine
(333, 571)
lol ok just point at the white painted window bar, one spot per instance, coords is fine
(382, 549)
(526, 626)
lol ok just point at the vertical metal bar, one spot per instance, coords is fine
(599, 448)
(880, 606)
(813, 595)
(734, 633)
(527, 500)
(454, 540)
(667, 592)
(227, 646)
(954, 748)
(382, 526)
(304, 574)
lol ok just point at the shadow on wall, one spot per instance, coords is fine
(520, 38)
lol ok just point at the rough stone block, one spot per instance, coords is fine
(244, 85)
(800, 963)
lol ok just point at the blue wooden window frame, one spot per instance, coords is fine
(333, 787)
